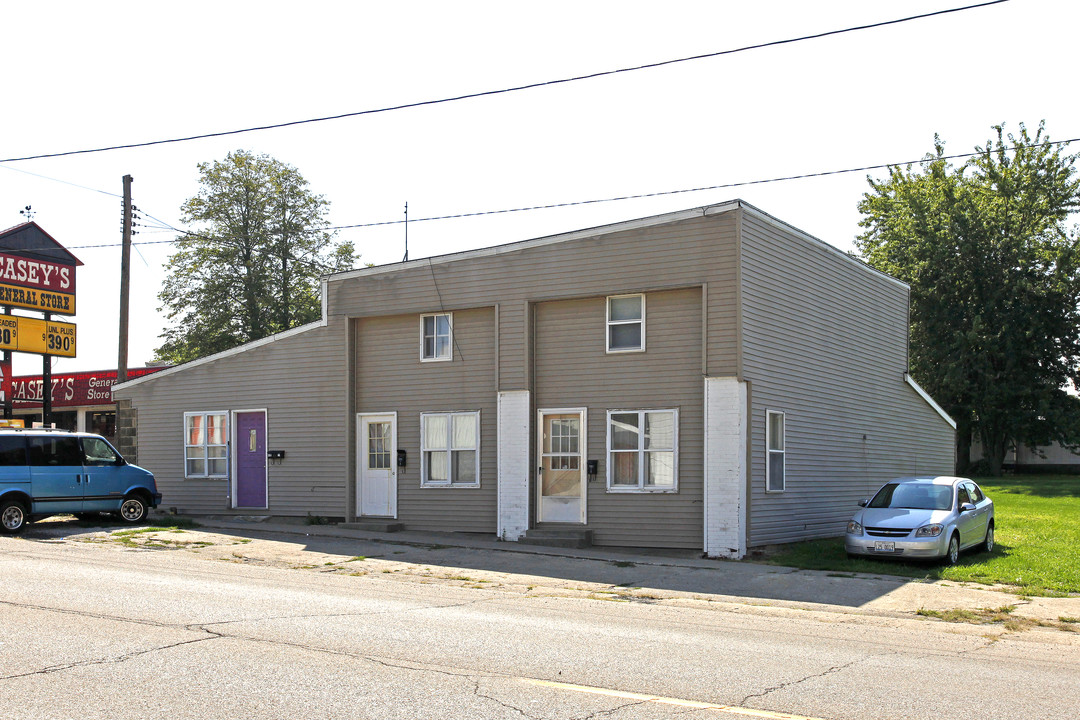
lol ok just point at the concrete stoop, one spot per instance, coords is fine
(557, 537)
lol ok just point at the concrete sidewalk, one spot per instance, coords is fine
(662, 574)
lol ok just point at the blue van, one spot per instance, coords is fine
(48, 472)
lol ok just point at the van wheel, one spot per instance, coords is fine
(12, 516)
(133, 510)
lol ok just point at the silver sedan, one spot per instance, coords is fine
(922, 518)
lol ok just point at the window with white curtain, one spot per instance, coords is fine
(450, 449)
(206, 437)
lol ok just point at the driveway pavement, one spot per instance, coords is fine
(604, 573)
(642, 574)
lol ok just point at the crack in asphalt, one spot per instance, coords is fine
(87, 613)
(781, 686)
(105, 661)
(216, 635)
(613, 710)
(508, 706)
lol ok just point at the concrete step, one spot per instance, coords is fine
(374, 525)
(557, 537)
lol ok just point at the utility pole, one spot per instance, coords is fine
(125, 283)
(46, 384)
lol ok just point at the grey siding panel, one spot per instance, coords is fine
(573, 369)
(679, 254)
(298, 380)
(825, 341)
(390, 377)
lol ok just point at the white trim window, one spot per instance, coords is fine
(450, 449)
(206, 450)
(642, 450)
(436, 337)
(626, 323)
(776, 452)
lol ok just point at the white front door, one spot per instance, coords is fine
(561, 482)
(376, 465)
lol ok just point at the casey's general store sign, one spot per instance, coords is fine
(37, 284)
(70, 389)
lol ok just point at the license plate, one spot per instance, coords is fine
(882, 546)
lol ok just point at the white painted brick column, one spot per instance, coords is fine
(513, 463)
(725, 467)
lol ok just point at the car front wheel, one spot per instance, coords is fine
(12, 516)
(952, 555)
(133, 510)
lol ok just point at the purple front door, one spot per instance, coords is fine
(251, 460)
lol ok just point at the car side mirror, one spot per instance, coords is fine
(864, 502)
(966, 507)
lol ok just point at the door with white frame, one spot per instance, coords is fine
(376, 465)
(561, 480)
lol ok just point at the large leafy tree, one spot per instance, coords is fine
(250, 264)
(995, 283)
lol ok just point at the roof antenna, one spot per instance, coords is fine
(406, 259)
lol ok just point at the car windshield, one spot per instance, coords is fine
(913, 496)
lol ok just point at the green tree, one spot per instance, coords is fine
(250, 265)
(995, 285)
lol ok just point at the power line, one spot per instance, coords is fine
(164, 226)
(662, 193)
(517, 88)
(825, 173)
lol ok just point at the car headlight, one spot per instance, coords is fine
(854, 528)
(930, 530)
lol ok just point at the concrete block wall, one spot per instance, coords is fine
(127, 431)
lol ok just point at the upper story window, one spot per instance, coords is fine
(774, 463)
(450, 449)
(205, 445)
(436, 336)
(642, 450)
(625, 323)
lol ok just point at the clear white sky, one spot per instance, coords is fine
(87, 75)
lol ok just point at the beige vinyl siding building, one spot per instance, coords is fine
(296, 377)
(615, 380)
(825, 342)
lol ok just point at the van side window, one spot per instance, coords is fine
(98, 452)
(54, 451)
(12, 451)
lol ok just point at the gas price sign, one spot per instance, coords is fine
(44, 337)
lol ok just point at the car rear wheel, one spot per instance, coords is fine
(988, 541)
(952, 555)
(12, 516)
(134, 509)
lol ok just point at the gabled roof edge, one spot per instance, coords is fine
(224, 354)
(929, 400)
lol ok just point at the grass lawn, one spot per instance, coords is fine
(1037, 536)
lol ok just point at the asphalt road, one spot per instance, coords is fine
(99, 629)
